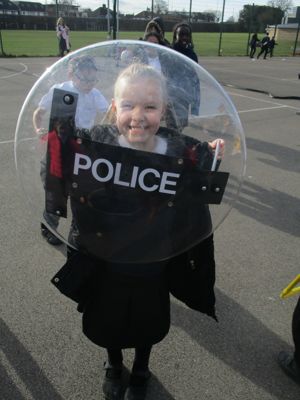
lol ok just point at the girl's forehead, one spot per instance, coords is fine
(138, 87)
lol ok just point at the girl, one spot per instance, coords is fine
(127, 305)
(62, 32)
(189, 82)
(253, 44)
(183, 42)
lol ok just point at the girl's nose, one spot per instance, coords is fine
(138, 114)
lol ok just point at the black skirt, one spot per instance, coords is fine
(127, 311)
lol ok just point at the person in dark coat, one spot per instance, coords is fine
(183, 41)
(290, 363)
(272, 44)
(184, 79)
(253, 44)
(157, 25)
(127, 304)
(264, 46)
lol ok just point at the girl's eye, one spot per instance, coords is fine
(126, 106)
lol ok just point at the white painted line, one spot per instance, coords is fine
(7, 141)
(261, 109)
(263, 101)
(249, 74)
(20, 140)
(17, 73)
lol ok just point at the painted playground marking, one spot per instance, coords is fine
(274, 103)
(25, 69)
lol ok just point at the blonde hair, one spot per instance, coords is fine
(60, 21)
(131, 74)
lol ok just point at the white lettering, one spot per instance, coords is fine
(77, 164)
(110, 171)
(165, 181)
(134, 176)
(117, 180)
(142, 177)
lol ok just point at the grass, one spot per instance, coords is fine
(44, 43)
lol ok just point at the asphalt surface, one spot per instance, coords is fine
(44, 355)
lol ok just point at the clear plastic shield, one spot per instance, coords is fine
(129, 151)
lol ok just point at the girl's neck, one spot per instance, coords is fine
(145, 146)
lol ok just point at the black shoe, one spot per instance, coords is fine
(112, 384)
(289, 366)
(138, 384)
(49, 236)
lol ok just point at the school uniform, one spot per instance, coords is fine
(127, 304)
(88, 104)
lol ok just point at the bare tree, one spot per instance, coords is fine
(160, 7)
(283, 5)
(215, 13)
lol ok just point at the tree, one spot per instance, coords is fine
(255, 18)
(212, 15)
(160, 7)
(283, 5)
(231, 19)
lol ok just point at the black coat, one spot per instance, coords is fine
(190, 277)
(126, 309)
(105, 297)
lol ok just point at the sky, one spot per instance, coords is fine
(232, 7)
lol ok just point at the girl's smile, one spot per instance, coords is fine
(139, 110)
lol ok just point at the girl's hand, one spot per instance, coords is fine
(213, 146)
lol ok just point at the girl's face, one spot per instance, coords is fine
(85, 79)
(152, 52)
(183, 36)
(139, 109)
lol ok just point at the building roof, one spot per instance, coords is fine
(29, 6)
(101, 11)
(8, 5)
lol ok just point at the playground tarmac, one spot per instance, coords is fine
(44, 355)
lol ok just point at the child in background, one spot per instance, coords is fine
(253, 44)
(189, 82)
(62, 33)
(127, 305)
(82, 72)
(157, 25)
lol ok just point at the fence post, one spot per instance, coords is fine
(296, 41)
(250, 24)
(1, 44)
(221, 29)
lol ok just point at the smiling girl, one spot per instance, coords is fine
(127, 304)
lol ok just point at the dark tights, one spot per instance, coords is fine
(296, 331)
(141, 359)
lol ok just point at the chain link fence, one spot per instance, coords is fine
(36, 36)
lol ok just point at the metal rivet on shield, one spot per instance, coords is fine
(180, 161)
(74, 185)
(170, 204)
(57, 212)
(217, 189)
(82, 199)
(204, 188)
(99, 234)
(56, 280)
(79, 141)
